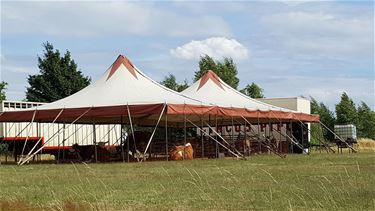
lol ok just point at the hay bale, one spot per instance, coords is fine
(366, 144)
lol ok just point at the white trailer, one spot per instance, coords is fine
(81, 134)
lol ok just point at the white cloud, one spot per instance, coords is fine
(322, 34)
(298, 2)
(216, 47)
(105, 18)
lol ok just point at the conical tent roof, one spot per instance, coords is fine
(121, 88)
(210, 88)
(124, 90)
(123, 83)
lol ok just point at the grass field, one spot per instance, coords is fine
(263, 182)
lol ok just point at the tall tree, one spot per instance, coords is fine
(183, 86)
(346, 111)
(58, 77)
(253, 91)
(366, 121)
(171, 82)
(326, 117)
(3, 87)
(226, 70)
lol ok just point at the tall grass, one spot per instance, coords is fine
(298, 182)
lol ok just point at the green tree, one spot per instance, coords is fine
(58, 77)
(366, 121)
(346, 111)
(253, 91)
(171, 82)
(326, 117)
(3, 87)
(183, 86)
(226, 70)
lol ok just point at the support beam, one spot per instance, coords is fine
(153, 133)
(166, 137)
(238, 156)
(32, 155)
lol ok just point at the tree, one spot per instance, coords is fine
(366, 122)
(183, 86)
(226, 70)
(58, 77)
(3, 87)
(326, 117)
(253, 91)
(346, 111)
(170, 82)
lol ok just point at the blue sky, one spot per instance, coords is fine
(289, 48)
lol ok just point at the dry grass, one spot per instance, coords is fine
(298, 182)
(366, 144)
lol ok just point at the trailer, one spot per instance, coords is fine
(21, 137)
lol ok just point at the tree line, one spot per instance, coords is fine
(59, 77)
(346, 112)
(226, 70)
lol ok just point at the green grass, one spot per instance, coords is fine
(298, 182)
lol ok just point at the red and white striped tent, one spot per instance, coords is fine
(210, 88)
(125, 95)
(124, 90)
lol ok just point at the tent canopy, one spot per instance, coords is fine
(123, 89)
(210, 88)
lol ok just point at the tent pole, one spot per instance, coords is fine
(215, 140)
(63, 141)
(153, 133)
(280, 128)
(122, 140)
(14, 142)
(202, 144)
(94, 140)
(259, 147)
(217, 134)
(184, 134)
(58, 143)
(270, 132)
(27, 136)
(38, 135)
(274, 151)
(133, 136)
(217, 146)
(321, 123)
(233, 139)
(166, 137)
(244, 147)
(291, 133)
(32, 155)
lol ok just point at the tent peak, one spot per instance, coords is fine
(212, 76)
(122, 60)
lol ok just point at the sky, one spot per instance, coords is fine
(289, 48)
